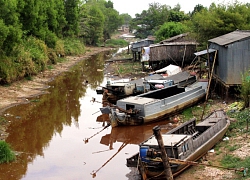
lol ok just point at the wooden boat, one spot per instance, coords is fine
(187, 142)
(156, 105)
(123, 88)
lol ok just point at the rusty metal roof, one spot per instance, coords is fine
(230, 38)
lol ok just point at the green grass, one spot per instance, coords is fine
(35, 100)
(6, 154)
(3, 120)
(128, 68)
(116, 43)
(50, 67)
(230, 161)
(242, 119)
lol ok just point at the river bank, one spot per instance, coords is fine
(19, 92)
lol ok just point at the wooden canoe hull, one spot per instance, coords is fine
(200, 152)
(184, 144)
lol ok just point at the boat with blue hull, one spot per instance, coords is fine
(185, 143)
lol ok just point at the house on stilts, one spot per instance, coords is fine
(228, 57)
(178, 50)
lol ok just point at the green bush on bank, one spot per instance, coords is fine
(6, 154)
(32, 56)
(245, 88)
(73, 47)
(116, 43)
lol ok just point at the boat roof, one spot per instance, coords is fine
(168, 139)
(203, 84)
(159, 81)
(137, 100)
(119, 84)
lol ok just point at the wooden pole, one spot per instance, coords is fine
(211, 75)
(183, 58)
(164, 156)
(208, 87)
(208, 61)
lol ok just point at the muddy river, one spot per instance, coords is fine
(59, 136)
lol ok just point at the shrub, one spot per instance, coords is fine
(73, 47)
(245, 88)
(6, 154)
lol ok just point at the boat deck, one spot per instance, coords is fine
(137, 100)
(168, 139)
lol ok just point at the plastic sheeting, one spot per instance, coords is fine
(170, 70)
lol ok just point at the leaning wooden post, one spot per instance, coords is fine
(164, 156)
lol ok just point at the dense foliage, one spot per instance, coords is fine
(149, 21)
(245, 88)
(170, 29)
(36, 33)
(220, 19)
(203, 23)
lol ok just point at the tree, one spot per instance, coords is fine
(149, 21)
(126, 18)
(107, 19)
(170, 29)
(72, 18)
(11, 33)
(220, 19)
(91, 24)
(112, 22)
(197, 8)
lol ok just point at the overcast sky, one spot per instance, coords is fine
(137, 6)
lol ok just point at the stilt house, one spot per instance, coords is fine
(232, 59)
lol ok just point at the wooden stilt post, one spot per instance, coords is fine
(164, 156)
(208, 87)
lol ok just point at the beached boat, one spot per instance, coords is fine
(120, 89)
(185, 143)
(155, 105)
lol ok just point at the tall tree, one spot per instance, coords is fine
(126, 18)
(149, 21)
(11, 32)
(220, 19)
(91, 24)
(72, 18)
(170, 29)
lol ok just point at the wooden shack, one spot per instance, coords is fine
(178, 50)
(232, 60)
(136, 47)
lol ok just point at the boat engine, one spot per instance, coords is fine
(147, 153)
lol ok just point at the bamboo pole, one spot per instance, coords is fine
(208, 87)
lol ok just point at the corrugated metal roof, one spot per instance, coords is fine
(232, 37)
(204, 52)
(174, 38)
(174, 44)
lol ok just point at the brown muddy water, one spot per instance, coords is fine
(57, 136)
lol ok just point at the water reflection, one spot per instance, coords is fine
(49, 132)
(34, 124)
(132, 134)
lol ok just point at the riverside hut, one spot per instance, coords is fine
(232, 59)
(178, 50)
